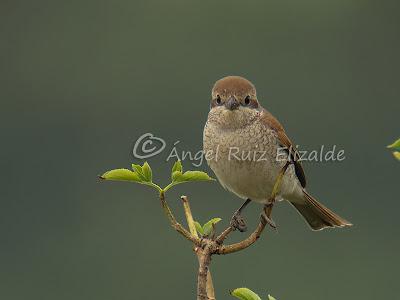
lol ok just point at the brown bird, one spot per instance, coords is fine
(246, 147)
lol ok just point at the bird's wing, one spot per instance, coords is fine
(268, 119)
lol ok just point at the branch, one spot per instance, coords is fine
(202, 280)
(178, 227)
(204, 264)
(221, 238)
(248, 241)
(205, 248)
(189, 216)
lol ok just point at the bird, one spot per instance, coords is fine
(246, 147)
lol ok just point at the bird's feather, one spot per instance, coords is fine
(284, 140)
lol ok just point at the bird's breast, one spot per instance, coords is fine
(244, 160)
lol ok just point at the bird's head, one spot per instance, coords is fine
(233, 102)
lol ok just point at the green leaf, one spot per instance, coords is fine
(194, 176)
(271, 298)
(207, 228)
(395, 145)
(245, 294)
(199, 228)
(121, 174)
(128, 175)
(176, 175)
(177, 167)
(396, 155)
(139, 171)
(137, 168)
(147, 173)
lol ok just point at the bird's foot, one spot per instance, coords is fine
(237, 222)
(266, 220)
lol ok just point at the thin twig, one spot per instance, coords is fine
(189, 216)
(224, 234)
(178, 227)
(247, 242)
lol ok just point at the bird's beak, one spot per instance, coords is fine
(232, 103)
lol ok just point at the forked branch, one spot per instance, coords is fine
(205, 247)
(177, 226)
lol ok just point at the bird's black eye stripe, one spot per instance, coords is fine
(247, 100)
(218, 100)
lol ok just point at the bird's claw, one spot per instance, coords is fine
(266, 220)
(237, 222)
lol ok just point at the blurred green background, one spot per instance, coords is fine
(82, 80)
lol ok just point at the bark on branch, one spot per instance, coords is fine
(177, 226)
(206, 247)
(209, 292)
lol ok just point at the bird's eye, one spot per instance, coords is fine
(247, 100)
(218, 100)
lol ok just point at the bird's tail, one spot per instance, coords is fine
(317, 215)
